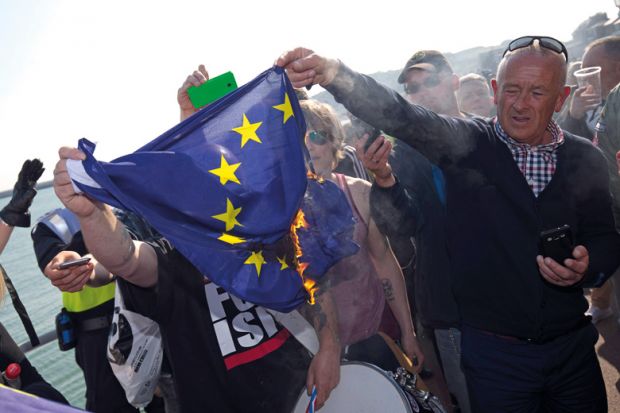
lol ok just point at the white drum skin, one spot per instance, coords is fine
(363, 388)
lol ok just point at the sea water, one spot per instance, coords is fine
(42, 301)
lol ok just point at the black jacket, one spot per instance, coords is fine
(412, 208)
(493, 218)
(31, 380)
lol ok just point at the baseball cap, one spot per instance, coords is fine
(432, 60)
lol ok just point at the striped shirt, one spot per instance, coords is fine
(537, 163)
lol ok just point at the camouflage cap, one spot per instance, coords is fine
(431, 60)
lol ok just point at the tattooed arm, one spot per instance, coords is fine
(324, 370)
(389, 272)
(109, 241)
(393, 283)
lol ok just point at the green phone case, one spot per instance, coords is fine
(212, 90)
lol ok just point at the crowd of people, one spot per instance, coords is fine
(451, 183)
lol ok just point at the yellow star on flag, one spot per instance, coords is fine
(230, 216)
(248, 131)
(257, 259)
(286, 108)
(226, 172)
(231, 239)
(283, 263)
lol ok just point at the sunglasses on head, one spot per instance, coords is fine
(546, 42)
(414, 87)
(317, 137)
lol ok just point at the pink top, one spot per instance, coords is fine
(356, 289)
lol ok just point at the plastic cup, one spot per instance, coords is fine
(590, 78)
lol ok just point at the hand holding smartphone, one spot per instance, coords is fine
(557, 243)
(73, 263)
(212, 90)
(361, 128)
(371, 138)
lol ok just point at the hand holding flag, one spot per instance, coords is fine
(223, 187)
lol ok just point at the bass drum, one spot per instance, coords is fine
(364, 388)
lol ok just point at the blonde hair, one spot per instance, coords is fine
(474, 77)
(322, 117)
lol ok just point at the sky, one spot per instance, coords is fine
(110, 70)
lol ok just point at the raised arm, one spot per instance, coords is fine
(393, 209)
(107, 238)
(197, 78)
(5, 233)
(439, 138)
(16, 213)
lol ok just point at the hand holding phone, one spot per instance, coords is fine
(212, 90)
(73, 263)
(372, 136)
(361, 128)
(557, 243)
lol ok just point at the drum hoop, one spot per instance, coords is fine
(399, 390)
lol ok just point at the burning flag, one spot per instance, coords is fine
(225, 186)
(325, 231)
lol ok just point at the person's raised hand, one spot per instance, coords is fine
(197, 78)
(16, 213)
(582, 102)
(306, 68)
(375, 159)
(79, 204)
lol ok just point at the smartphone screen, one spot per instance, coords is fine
(212, 90)
(73, 263)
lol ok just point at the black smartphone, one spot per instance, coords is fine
(360, 128)
(557, 243)
(73, 263)
(372, 136)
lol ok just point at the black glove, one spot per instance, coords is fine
(16, 213)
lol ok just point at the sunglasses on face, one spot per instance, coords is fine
(414, 87)
(546, 42)
(317, 137)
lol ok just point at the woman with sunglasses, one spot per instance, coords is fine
(362, 284)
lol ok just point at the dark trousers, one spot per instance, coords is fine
(104, 394)
(510, 375)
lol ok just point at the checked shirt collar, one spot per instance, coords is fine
(537, 163)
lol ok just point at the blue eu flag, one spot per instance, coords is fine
(223, 186)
